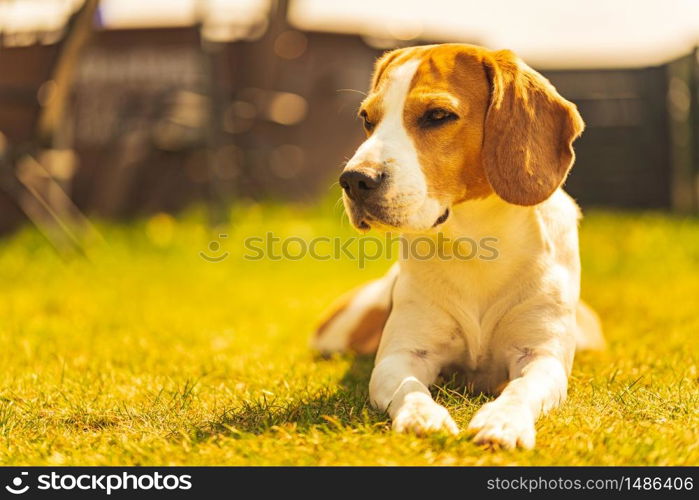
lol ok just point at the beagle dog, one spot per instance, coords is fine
(472, 143)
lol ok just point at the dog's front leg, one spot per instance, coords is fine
(399, 384)
(539, 382)
(415, 346)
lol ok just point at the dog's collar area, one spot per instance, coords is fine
(442, 218)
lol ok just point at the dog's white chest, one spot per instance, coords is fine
(478, 292)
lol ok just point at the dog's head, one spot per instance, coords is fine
(449, 123)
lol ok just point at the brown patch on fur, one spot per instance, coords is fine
(450, 77)
(373, 108)
(366, 336)
(501, 387)
(529, 132)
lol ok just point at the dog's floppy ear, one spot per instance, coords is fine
(529, 132)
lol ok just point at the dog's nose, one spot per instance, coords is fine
(358, 185)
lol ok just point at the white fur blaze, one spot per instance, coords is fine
(390, 145)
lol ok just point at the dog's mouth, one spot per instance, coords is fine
(411, 215)
(365, 220)
(368, 220)
(367, 217)
(378, 218)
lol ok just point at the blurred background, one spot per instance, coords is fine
(125, 108)
(156, 137)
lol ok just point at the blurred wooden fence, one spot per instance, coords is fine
(640, 148)
(160, 118)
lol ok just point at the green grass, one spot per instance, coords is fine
(147, 354)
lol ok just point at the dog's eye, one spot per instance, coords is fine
(436, 117)
(369, 126)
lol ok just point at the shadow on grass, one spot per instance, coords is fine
(330, 408)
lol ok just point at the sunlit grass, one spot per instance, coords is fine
(148, 354)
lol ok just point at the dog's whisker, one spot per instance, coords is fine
(338, 205)
(352, 90)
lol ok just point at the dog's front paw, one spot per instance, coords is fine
(421, 415)
(503, 425)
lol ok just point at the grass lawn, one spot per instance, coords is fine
(147, 354)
